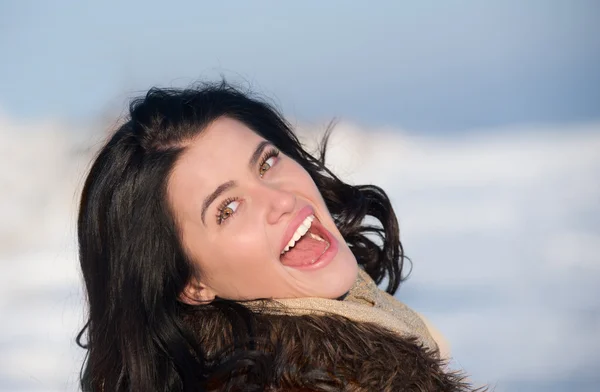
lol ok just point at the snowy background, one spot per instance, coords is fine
(482, 121)
(504, 231)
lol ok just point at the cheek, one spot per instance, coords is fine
(302, 180)
(236, 254)
(313, 193)
(246, 244)
(306, 186)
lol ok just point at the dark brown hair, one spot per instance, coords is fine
(135, 268)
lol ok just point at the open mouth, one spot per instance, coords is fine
(310, 241)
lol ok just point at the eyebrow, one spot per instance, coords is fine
(231, 184)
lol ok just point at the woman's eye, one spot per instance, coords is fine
(267, 165)
(227, 211)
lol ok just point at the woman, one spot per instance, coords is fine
(219, 255)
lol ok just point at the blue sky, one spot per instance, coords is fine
(425, 66)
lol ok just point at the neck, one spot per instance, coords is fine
(343, 296)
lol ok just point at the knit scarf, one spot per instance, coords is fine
(365, 302)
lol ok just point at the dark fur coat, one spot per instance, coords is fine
(320, 353)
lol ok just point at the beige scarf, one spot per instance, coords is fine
(365, 302)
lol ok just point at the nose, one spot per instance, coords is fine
(279, 202)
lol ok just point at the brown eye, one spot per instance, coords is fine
(227, 210)
(268, 162)
(263, 169)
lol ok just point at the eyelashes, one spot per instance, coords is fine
(272, 152)
(225, 210)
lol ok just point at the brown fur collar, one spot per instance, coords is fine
(318, 353)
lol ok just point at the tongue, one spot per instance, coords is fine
(306, 251)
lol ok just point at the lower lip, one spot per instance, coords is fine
(325, 258)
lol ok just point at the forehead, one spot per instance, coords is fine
(225, 139)
(225, 131)
(218, 154)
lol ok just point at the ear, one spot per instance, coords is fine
(196, 293)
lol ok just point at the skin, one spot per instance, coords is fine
(240, 258)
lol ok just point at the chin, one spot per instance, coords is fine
(332, 280)
(345, 278)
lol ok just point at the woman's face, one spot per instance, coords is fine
(239, 205)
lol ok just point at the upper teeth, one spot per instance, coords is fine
(300, 231)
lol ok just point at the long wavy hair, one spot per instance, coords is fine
(137, 335)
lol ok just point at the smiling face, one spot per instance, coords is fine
(239, 204)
